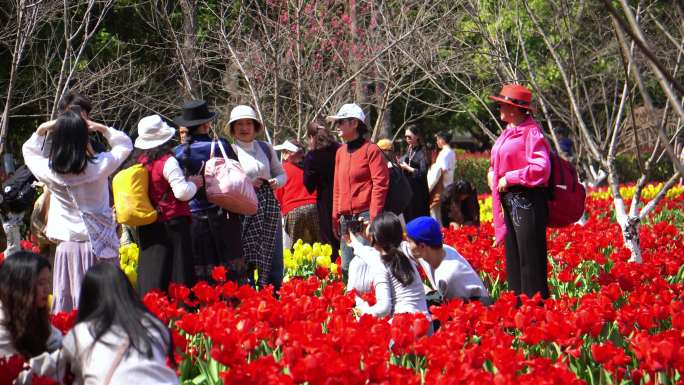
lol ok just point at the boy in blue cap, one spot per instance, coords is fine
(448, 272)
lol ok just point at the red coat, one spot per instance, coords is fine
(361, 181)
(293, 194)
(169, 207)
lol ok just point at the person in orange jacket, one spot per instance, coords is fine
(361, 176)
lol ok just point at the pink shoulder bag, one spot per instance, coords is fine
(227, 185)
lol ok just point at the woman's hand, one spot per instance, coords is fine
(93, 126)
(257, 183)
(273, 183)
(490, 180)
(46, 127)
(503, 185)
(404, 166)
(197, 180)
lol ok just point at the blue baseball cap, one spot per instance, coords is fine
(425, 230)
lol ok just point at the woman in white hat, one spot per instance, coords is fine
(361, 176)
(165, 245)
(216, 233)
(297, 204)
(261, 232)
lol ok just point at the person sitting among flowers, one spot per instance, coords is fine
(448, 273)
(459, 205)
(396, 281)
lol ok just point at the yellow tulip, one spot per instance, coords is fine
(324, 262)
(326, 250)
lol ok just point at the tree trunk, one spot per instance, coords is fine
(188, 55)
(359, 89)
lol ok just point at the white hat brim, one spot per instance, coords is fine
(147, 143)
(334, 118)
(236, 118)
(287, 146)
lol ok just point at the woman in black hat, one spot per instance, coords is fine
(216, 233)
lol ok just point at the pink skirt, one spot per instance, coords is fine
(72, 261)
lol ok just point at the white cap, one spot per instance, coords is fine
(347, 111)
(242, 112)
(287, 146)
(153, 132)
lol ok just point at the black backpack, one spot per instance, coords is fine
(399, 193)
(18, 192)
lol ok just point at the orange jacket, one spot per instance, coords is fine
(361, 181)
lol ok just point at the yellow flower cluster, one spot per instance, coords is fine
(486, 214)
(128, 261)
(303, 259)
(649, 192)
(627, 192)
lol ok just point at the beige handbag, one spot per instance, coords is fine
(39, 217)
(436, 193)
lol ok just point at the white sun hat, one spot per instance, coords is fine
(351, 110)
(242, 112)
(287, 146)
(153, 132)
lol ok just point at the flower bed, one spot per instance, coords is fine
(608, 321)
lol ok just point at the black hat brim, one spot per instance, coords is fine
(178, 120)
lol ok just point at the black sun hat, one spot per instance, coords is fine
(195, 112)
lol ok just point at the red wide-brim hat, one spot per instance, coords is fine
(515, 95)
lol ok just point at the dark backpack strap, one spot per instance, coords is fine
(266, 148)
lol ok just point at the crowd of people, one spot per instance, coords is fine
(327, 191)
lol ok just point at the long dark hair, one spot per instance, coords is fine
(417, 131)
(68, 153)
(387, 233)
(108, 299)
(151, 154)
(28, 325)
(469, 206)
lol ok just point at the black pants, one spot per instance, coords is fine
(165, 255)
(217, 240)
(526, 214)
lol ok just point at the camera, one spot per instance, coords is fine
(355, 225)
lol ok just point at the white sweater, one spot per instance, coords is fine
(182, 189)
(90, 188)
(255, 162)
(362, 270)
(390, 295)
(454, 277)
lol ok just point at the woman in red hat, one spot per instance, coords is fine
(519, 172)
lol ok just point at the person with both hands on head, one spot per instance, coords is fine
(80, 217)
